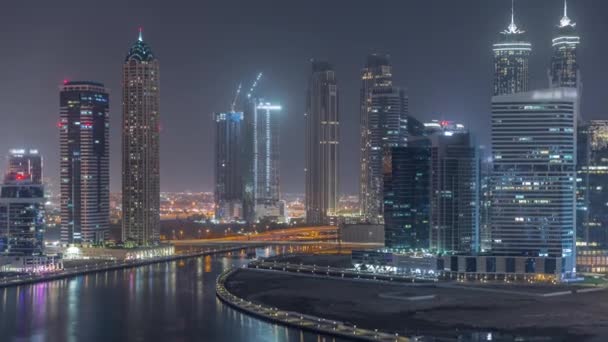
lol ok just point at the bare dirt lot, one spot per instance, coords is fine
(442, 310)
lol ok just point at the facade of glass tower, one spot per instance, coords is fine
(564, 67)
(322, 144)
(266, 161)
(21, 218)
(454, 220)
(228, 166)
(511, 61)
(592, 182)
(85, 165)
(377, 74)
(534, 174)
(407, 197)
(387, 127)
(140, 146)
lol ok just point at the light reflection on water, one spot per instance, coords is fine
(172, 301)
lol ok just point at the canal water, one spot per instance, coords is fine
(172, 301)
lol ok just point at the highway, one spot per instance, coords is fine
(322, 233)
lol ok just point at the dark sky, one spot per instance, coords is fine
(441, 51)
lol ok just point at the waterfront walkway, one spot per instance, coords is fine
(338, 272)
(299, 320)
(110, 265)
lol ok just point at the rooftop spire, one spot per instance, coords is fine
(512, 28)
(141, 35)
(565, 21)
(513, 14)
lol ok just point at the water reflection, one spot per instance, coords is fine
(163, 302)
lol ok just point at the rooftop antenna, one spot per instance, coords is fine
(565, 21)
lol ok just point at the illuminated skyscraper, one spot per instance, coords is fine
(266, 161)
(407, 197)
(85, 166)
(592, 182)
(564, 67)
(260, 155)
(377, 73)
(511, 59)
(454, 193)
(387, 127)
(322, 139)
(228, 166)
(534, 177)
(24, 164)
(140, 146)
(21, 218)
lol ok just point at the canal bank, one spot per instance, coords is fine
(299, 320)
(170, 301)
(110, 265)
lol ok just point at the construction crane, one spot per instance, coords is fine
(236, 98)
(255, 83)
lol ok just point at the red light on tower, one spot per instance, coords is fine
(20, 176)
(65, 81)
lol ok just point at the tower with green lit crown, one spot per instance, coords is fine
(564, 70)
(140, 146)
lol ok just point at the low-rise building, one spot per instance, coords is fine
(470, 267)
(119, 253)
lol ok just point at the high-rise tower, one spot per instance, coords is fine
(260, 156)
(21, 218)
(140, 146)
(85, 164)
(266, 160)
(511, 59)
(534, 177)
(387, 127)
(377, 73)
(322, 139)
(564, 70)
(228, 166)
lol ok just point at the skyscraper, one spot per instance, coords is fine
(485, 201)
(592, 180)
(511, 59)
(24, 164)
(454, 187)
(534, 177)
(387, 127)
(21, 218)
(228, 166)
(266, 161)
(140, 146)
(407, 177)
(564, 70)
(85, 166)
(377, 73)
(322, 139)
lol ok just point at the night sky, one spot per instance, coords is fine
(440, 49)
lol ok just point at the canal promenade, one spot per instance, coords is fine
(299, 320)
(111, 265)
